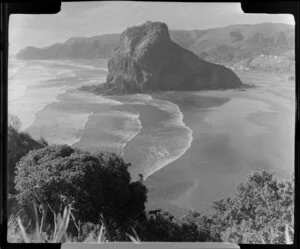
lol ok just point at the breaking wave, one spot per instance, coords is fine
(165, 141)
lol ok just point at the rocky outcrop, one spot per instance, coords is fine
(146, 59)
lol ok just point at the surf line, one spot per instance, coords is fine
(176, 121)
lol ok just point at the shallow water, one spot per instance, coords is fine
(52, 108)
(34, 84)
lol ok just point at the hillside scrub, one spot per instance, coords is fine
(97, 187)
(261, 211)
(19, 144)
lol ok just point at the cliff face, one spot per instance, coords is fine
(147, 59)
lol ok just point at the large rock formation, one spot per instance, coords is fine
(146, 59)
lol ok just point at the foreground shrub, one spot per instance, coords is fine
(97, 187)
(160, 225)
(259, 212)
(204, 226)
(19, 144)
(17, 232)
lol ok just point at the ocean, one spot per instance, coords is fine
(44, 95)
(191, 147)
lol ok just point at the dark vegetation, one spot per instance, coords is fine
(19, 144)
(96, 186)
(83, 195)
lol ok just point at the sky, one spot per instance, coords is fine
(95, 18)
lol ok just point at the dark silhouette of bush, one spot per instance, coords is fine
(160, 225)
(19, 144)
(14, 121)
(204, 225)
(98, 187)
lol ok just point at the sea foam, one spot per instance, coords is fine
(170, 153)
(25, 97)
(69, 63)
(87, 97)
(167, 141)
(130, 126)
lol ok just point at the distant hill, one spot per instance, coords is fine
(226, 45)
(74, 48)
(237, 42)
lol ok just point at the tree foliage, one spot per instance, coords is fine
(258, 212)
(94, 185)
(19, 144)
(204, 225)
(160, 225)
(14, 122)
